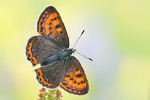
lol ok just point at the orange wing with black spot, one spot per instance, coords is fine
(39, 47)
(74, 79)
(51, 26)
(51, 75)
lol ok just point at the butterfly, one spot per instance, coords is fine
(51, 50)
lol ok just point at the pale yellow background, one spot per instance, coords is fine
(117, 38)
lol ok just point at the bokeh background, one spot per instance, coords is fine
(117, 38)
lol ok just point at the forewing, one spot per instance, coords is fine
(39, 47)
(74, 79)
(51, 75)
(51, 26)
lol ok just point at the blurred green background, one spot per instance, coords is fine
(117, 38)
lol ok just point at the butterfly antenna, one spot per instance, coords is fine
(78, 38)
(84, 56)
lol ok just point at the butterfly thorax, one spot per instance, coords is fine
(63, 54)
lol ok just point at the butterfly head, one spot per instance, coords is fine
(71, 51)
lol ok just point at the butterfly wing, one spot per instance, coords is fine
(51, 75)
(51, 26)
(74, 79)
(39, 48)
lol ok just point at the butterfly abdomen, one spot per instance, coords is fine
(57, 57)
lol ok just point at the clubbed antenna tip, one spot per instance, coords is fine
(84, 56)
(82, 32)
(78, 38)
(90, 59)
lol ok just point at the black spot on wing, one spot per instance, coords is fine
(78, 75)
(57, 26)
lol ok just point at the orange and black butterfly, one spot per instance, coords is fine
(51, 50)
